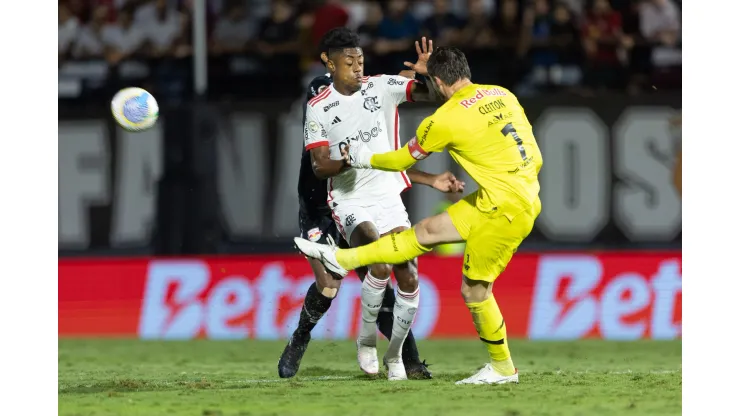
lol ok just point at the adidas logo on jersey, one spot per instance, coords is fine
(336, 120)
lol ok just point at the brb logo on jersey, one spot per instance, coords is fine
(371, 104)
(330, 106)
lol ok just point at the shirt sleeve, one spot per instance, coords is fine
(431, 136)
(397, 87)
(314, 133)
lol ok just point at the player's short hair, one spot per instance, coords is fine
(448, 64)
(338, 39)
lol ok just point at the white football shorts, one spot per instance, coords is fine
(386, 214)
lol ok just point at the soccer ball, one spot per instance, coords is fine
(134, 109)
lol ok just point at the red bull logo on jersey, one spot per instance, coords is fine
(480, 94)
(314, 234)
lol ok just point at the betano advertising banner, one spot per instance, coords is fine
(619, 295)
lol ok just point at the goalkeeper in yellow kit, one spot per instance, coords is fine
(487, 133)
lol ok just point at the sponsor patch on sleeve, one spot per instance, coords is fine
(314, 234)
(416, 151)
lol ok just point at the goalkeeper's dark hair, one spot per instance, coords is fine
(338, 39)
(448, 64)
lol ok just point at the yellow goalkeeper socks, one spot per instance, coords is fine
(492, 331)
(395, 248)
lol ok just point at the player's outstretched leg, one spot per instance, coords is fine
(317, 302)
(492, 331)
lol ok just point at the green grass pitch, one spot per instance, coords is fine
(131, 377)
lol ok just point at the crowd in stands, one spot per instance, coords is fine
(529, 45)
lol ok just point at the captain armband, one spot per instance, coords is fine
(415, 149)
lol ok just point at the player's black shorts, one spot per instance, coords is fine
(317, 228)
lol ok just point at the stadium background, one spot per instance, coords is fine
(184, 231)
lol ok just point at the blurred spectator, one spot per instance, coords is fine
(278, 44)
(329, 15)
(545, 43)
(69, 27)
(164, 29)
(566, 43)
(146, 10)
(442, 26)
(357, 13)
(536, 44)
(278, 33)
(90, 40)
(636, 48)
(398, 30)
(576, 7)
(368, 30)
(234, 30)
(507, 30)
(476, 32)
(553, 43)
(660, 24)
(602, 37)
(80, 9)
(462, 7)
(122, 39)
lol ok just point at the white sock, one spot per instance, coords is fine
(373, 291)
(404, 312)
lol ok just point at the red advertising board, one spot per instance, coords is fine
(543, 296)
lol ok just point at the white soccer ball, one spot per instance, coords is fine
(134, 109)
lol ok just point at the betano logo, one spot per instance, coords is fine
(575, 298)
(182, 301)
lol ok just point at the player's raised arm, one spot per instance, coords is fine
(434, 138)
(317, 143)
(425, 91)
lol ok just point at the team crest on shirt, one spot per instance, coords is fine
(371, 104)
(314, 234)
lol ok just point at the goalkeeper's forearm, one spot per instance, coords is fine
(395, 161)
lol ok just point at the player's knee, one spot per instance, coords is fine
(380, 271)
(474, 291)
(329, 291)
(361, 272)
(407, 276)
(436, 229)
(327, 285)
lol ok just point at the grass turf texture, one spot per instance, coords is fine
(130, 377)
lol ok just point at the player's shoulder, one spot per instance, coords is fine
(317, 85)
(318, 90)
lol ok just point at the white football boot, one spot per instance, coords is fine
(487, 375)
(396, 369)
(322, 252)
(367, 357)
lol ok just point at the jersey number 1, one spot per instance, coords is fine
(509, 129)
